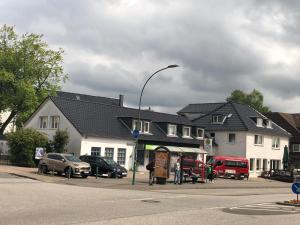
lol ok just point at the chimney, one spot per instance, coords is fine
(121, 100)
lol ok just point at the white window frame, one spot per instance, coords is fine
(216, 119)
(258, 166)
(231, 142)
(42, 122)
(120, 156)
(262, 139)
(197, 133)
(175, 130)
(269, 124)
(95, 151)
(189, 132)
(108, 149)
(253, 165)
(52, 122)
(294, 147)
(275, 142)
(259, 122)
(142, 126)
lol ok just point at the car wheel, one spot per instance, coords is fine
(110, 175)
(44, 169)
(67, 170)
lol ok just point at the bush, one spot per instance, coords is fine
(23, 143)
(60, 141)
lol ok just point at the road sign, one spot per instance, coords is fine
(135, 133)
(296, 188)
(39, 152)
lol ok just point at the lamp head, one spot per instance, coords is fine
(172, 66)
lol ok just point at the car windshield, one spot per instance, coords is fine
(110, 161)
(72, 158)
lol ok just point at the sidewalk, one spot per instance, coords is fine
(141, 181)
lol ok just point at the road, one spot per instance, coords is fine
(24, 201)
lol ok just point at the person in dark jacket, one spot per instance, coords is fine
(151, 167)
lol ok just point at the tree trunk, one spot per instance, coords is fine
(9, 119)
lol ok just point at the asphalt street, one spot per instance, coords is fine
(24, 201)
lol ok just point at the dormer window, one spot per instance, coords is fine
(144, 126)
(217, 119)
(186, 132)
(269, 124)
(259, 122)
(200, 133)
(172, 130)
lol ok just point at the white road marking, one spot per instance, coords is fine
(267, 206)
(217, 207)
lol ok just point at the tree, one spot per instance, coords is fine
(255, 99)
(60, 141)
(23, 143)
(29, 71)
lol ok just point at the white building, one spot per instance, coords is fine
(239, 130)
(103, 126)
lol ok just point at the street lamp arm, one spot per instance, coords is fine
(140, 100)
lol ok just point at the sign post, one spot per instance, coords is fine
(135, 134)
(296, 189)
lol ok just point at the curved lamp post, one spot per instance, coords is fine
(139, 118)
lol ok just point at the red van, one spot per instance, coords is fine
(230, 167)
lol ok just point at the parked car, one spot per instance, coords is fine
(106, 166)
(63, 163)
(230, 167)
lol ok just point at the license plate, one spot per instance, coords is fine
(230, 171)
(124, 173)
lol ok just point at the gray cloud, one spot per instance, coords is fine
(113, 46)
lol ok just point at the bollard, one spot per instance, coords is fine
(97, 172)
(69, 173)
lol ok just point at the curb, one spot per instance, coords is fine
(288, 204)
(24, 176)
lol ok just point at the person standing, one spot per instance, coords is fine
(208, 174)
(177, 172)
(151, 167)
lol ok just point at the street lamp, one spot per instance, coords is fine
(139, 119)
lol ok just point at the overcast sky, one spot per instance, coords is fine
(112, 46)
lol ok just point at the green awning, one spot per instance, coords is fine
(178, 149)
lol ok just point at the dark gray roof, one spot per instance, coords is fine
(87, 98)
(241, 119)
(106, 120)
(204, 108)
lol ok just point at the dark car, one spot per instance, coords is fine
(106, 166)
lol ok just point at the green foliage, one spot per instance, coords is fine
(29, 71)
(60, 141)
(23, 143)
(255, 99)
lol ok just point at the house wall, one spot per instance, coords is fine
(4, 148)
(49, 109)
(228, 149)
(264, 151)
(244, 146)
(89, 142)
(11, 126)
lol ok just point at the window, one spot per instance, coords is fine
(296, 147)
(265, 165)
(186, 131)
(259, 122)
(258, 140)
(217, 119)
(121, 156)
(258, 164)
(95, 151)
(275, 142)
(172, 130)
(43, 122)
(231, 138)
(269, 124)
(54, 122)
(109, 153)
(200, 133)
(251, 164)
(144, 126)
